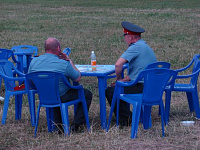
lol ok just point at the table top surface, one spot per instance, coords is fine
(101, 70)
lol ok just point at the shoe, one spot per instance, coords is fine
(74, 127)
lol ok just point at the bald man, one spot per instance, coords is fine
(56, 61)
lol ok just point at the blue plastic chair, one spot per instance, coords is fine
(190, 88)
(155, 81)
(159, 64)
(6, 68)
(67, 51)
(6, 54)
(25, 48)
(47, 85)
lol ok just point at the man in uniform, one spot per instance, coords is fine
(138, 55)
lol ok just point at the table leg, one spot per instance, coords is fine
(102, 101)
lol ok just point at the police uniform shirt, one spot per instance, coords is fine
(139, 55)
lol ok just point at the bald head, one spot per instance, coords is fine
(52, 45)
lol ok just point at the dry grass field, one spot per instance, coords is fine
(172, 30)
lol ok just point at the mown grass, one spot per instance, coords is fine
(172, 30)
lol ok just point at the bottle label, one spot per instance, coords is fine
(93, 62)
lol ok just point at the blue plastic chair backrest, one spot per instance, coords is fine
(46, 84)
(6, 68)
(5, 53)
(196, 67)
(67, 51)
(25, 48)
(155, 81)
(159, 64)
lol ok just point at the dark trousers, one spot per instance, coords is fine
(124, 110)
(70, 95)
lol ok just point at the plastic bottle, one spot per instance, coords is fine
(93, 61)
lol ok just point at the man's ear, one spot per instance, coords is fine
(58, 47)
(131, 37)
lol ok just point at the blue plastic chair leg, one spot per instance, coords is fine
(18, 106)
(114, 99)
(167, 104)
(37, 120)
(65, 119)
(147, 117)
(135, 119)
(111, 112)
(50, 119)
(86, 115)
(117, 112)
(85, 109)
(162, 118)
(31, 101)
(196, 103)
(139, 107)
(5, 108)
(190, 101)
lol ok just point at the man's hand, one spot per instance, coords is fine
(122, 80)
(64, 57)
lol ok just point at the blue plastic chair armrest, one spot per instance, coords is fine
(13, 78)
(69, 85)
(19, 73)
(189, 75)
(76, 86)
(127, 83)
(16, 79)
(186, 67)
(131, 83)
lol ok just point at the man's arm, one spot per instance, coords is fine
(119, 66)
(65, 57)
(79, 78)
